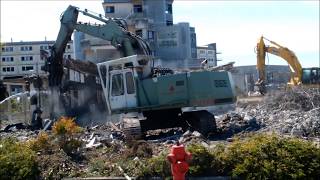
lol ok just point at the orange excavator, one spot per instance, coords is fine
(299, 75)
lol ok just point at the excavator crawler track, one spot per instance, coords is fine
(202, 121)
(132, 128)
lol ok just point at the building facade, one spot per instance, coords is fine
(209, 53)
(19, 59)
(150, 19)
(176, 46)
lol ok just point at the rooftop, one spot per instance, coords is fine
(29, 43)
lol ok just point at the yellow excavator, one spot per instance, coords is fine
(299, 75)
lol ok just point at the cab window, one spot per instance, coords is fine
(130, 83)
(117, 85)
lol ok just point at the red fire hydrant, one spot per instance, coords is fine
(178, 157)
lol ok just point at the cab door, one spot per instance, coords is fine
(131, 97)
(117, 91)
(122, 90)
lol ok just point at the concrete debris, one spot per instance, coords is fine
(14, 127)
(234, 122)
(92, 143)
(295, 112)
(47, 124)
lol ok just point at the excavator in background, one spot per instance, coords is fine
(146, 97)
(299, 75)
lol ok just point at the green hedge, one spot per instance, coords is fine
(17, 161)
(259, 156)
(269, 156)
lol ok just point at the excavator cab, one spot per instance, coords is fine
(311, 75)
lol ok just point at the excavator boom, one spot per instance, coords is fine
(284, 53)
(111, 30)
(298, 74)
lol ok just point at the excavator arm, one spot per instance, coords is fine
(284, 53)
(111, 29)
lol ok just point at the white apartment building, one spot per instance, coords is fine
(19, 59)
(209, 53)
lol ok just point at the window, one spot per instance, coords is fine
(210, 52)
(26, 48)
(117, 85)
(44, 47)
(130, 83)
(169, 23)
(202, 52)
(150, 34)
(169, 8)
(8, 69)
(69, 56)
(6, 49)
(26, 58)
(7, 59)
(27, 68)
(68, 46)
(110, 9)
(137, 8)
(139, 33)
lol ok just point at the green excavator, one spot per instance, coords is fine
(147, 97)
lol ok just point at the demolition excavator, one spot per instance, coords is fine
(299, 75)
(146, 97)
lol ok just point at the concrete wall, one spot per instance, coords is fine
(174, 42)
(121, 10)
(155, 11)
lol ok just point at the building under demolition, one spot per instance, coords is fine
(172, 44)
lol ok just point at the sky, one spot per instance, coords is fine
(235, 26)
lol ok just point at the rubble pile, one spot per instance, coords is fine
(232, 123)
(302, 99)
(295, 112)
